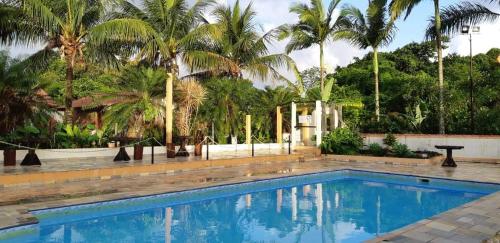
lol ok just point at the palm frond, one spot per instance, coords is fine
(43, 15)
(398, 7)
(126, 30)
(455, 16)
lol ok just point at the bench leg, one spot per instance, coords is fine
(449, 162)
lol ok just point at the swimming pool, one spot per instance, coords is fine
(338, 206)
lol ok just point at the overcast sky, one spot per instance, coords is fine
(272, 13)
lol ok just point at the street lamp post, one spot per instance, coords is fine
(469, 30)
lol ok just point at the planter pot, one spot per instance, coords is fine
(9, 157)
(170, 150)
(111, 145)
(138, 151)
(198, 149)
(182, 150)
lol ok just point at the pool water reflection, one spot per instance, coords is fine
(343, 210)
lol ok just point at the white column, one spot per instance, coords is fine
(317, 119)
(293, 130)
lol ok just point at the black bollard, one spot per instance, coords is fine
(289, 145)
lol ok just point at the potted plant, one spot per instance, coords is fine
(190, 96)
(9, 152)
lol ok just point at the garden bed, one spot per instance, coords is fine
(386, 160)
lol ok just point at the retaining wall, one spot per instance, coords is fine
(476, 146)
(51, 154)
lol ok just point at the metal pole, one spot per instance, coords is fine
(472, 125)
(289, 144)
(153, 152)
(253, 150)
(207, 148)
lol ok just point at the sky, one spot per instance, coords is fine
(272, 13)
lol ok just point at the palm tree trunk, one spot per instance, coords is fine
(375, 73)
(321, 67)
(68, 96)
(169, 112)
(439, 48)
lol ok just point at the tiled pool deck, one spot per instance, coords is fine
(472, 222)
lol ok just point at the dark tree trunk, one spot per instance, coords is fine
(68, 97)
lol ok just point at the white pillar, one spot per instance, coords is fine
(293, 130)
(318, 120)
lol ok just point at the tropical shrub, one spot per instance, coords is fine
(390, 140)
(376, 149)
(342, 141)
(402, 151)
(74, 136)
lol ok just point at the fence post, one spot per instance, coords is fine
(153, 152)
(289, 144)
(253, 150)
(207, 147)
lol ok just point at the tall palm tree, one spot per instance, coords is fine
(239, 46)
(315, 27)
(455, 16)
(179, 26)
(373, 30)
(400, 6)
(76, 29)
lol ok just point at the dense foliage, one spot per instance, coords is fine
(342, 141)
(146, 45)
(409, 92)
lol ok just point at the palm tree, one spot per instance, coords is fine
(315, 27)
(455, 16)
(239, 46)
(400, 6)
(20, 97)
(179, 27)
(373, 30)
(76, 28)
(137, 100)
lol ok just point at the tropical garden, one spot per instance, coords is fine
(178, 71)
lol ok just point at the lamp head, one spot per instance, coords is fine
(465, 29)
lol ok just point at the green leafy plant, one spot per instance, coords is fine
(342, 141)
(390, 140)
(401, 150)
(376, 149)
(74, 136)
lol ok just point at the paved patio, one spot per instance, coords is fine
(472, 222)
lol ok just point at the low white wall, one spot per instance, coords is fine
(88, 153)
(476, 146)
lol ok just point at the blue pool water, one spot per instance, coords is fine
(340, 206)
